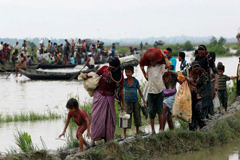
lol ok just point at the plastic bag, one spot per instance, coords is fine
(182, 107)
(216, 101)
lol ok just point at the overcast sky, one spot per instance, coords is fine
(118, 18)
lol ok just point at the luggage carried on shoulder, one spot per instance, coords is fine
(90, 84)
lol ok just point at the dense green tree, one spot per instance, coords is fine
(221, 41)
(31, 45)
(213, 41)
(188, 46)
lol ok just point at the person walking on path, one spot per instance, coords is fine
(103, 108)
(206, 61)
(181, 57)
(222, 88)
(155, 89)
(172, 60)
(131, 86)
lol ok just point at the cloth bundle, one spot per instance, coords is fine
(90, 84)
(132, 60)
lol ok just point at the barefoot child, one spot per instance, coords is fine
(131, 86)
(222, 89)
(81, 118)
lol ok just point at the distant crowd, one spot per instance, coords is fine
(53, 53)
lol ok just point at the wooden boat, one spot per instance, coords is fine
(46, 75)
(9, 67)
(54, 66)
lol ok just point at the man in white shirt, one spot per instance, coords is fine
(154, 76)
(90, 62)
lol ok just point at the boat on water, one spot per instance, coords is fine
(49, 75)
(9, 66)
(55, 66)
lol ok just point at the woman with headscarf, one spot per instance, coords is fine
(103, 108)
(206, 60)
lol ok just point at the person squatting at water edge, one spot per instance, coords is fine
(156, 86)
(206, 62)
(103, 108)
(81, 118)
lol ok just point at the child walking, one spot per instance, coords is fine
(81, 118)
(222, 89)
(131, 86)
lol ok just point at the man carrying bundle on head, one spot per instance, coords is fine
(157, 63)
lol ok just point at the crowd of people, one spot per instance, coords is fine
(53, 53)
(205, 80)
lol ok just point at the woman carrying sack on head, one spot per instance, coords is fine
(103, 108)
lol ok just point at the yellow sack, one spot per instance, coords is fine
(182, 107)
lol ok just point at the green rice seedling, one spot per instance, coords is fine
(15, 117)
(8, 118)
(31, 116)
(24, 141)
(23, 117)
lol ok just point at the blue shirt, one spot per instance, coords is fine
(72, 60)
(130, 92)
(173, 62)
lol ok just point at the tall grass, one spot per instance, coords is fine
(24, 142)
(31, 116)
(232, 92)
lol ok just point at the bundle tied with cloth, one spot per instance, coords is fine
(152, 54)
(90, 81)
(182, 107)
(132, 60)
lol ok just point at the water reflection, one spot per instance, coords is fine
(224, 152)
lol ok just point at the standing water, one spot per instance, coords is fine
(223, 152)
(24, 95)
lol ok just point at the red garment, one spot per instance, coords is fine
(80, 118)
(106, 84)
(81, 129)
(152, 54)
